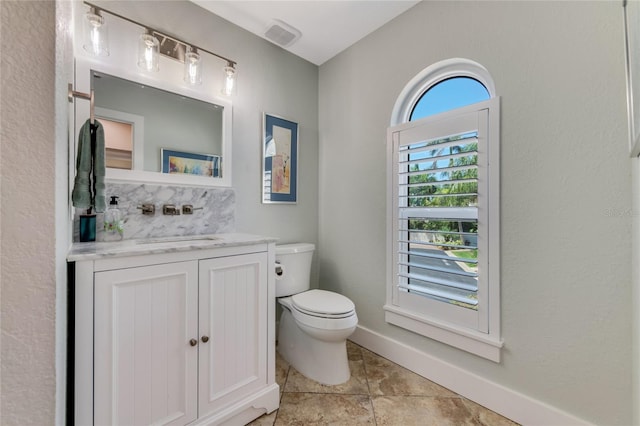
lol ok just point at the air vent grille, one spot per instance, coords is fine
(282, 34)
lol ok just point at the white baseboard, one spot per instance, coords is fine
(507, 402)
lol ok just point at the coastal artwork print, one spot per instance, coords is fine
(280, 160)
(190, 163)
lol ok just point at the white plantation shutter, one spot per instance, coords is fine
(436, 180)
(440, 221)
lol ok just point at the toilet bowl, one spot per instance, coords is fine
(315, 324)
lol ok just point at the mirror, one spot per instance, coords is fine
(142, 122)
(155, 131)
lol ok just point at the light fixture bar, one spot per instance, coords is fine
(231, 62)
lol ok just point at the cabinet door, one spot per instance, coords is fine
(233, 315)
(145, 367)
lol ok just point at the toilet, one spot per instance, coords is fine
(315, 324)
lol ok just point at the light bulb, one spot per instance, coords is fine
(95, 34)
(229, 80)
(148, 53)
(192, 68)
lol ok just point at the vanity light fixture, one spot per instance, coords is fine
(148, 52)
(151, 45)
(95, 33)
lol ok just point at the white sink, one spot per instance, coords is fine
(182, 239)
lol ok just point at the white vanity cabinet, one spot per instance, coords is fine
(176, 338)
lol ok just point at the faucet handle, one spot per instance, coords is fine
(188, 209)
(148, 209)
(170, 209)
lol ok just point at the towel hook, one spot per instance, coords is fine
(89, 96)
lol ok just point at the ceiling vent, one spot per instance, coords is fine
(282, 34)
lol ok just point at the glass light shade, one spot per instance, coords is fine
(192, 68)
(148, 53)
(95, 34)
(229, 82)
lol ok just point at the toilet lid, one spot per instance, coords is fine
(321, 302)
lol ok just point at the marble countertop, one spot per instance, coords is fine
(100, 250)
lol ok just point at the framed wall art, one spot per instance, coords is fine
(279, 160)
(189, 163)
(632, 53)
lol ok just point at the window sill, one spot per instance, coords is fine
(480, 344)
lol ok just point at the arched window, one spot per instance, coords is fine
(449, 94)
(444, 203)
(433, 76)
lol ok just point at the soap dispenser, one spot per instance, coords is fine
(113, 223)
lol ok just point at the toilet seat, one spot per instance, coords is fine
(323, 304)
(317, 320)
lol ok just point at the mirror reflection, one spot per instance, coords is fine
(143, 124)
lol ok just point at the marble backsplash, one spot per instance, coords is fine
(215, 210)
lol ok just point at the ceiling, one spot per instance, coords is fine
(327, 27)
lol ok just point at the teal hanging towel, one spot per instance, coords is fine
(99, 167)
(89, 186)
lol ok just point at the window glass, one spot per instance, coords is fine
(447, 95)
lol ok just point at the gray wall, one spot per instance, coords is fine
(566, 283)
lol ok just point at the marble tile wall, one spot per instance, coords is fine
(215, 210)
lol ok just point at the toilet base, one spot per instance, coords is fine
(323, 361)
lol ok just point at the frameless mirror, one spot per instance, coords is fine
(157, 131)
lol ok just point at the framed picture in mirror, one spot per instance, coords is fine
(279, 160)
(189, 163)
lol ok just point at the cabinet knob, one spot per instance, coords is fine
(205, 339)
(193, 342)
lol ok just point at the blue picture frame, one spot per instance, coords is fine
(190, 163)
(279, 160)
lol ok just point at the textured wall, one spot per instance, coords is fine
(566, 286)
(27, 271)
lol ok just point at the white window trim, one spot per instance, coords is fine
(487, 345)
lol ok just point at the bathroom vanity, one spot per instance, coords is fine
(174, 330)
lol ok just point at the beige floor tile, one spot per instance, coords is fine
(379, 392)
(388, 378)
(354, 352)
(306, 409)
(357, 384)
(421, 411)
(282, 369)
(265, 420)
(486, 416)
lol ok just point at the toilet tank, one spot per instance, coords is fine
(295, 261)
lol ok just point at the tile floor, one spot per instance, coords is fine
(378, 393)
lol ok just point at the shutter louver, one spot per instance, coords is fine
(438, 219)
